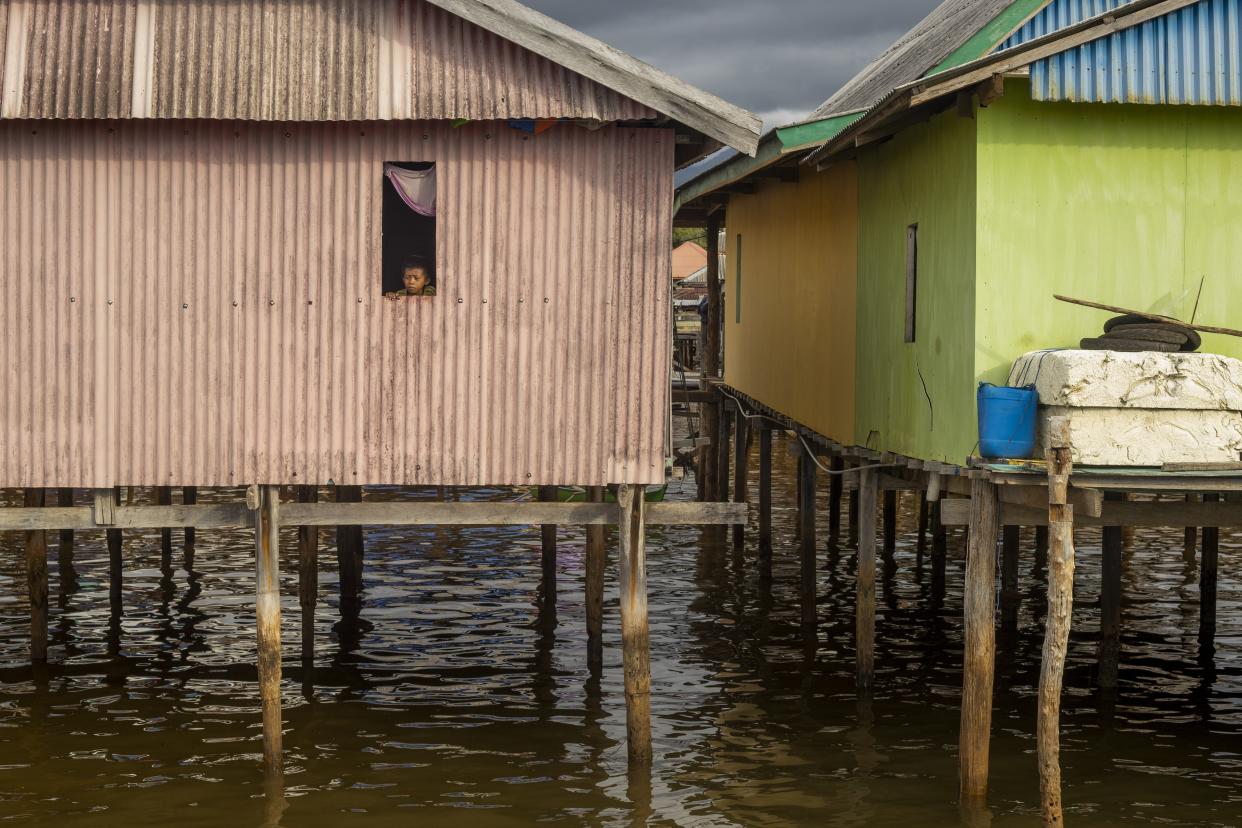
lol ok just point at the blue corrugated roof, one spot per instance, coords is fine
(1191, 56)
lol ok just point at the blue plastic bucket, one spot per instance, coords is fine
(1007, 420)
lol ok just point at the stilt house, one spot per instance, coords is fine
(905, 243)
(210, 209)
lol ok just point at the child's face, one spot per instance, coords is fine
(414, 278)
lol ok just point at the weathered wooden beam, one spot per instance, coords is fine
(980, 642)
(1010, 537)
(709, 360)
(635, 636)
(189, 497)
(1166, 514)
(1086, 502)
(64, 549)
(1057, 622)
(596, 562)
(267, 618)
(163, 497)
(836, 486)
(349, 553)
(1209, 553)
(864, 603)
(890, 522)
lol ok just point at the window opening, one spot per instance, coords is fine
(409, 230)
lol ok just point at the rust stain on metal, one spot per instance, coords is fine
(198, 303)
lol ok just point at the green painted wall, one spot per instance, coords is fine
(1129, 205)
(925, 175)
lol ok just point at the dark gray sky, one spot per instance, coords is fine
(779, 58)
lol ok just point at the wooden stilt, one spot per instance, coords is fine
(709, 362)
(1110, 602)
(1209, 545)
(921, 545)
(308, 574)
(36, 580)
(635, 642)
(115, 544)
(722, 456)
(1041, 548)
(1010, 539)
(836, 484)
(349, 557)
(64, 550)
(980, 641)
(1191, 539)
(547, 539)
(189, 497)
(163, 497)
(864, 605)
(1057, 623)
(854, 517)
(267, 615)
(596, 561)
(806, 538)
(940, 539)
(765, 503)
(890, 522)
(741, 454)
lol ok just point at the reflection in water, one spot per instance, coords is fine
(469, 698)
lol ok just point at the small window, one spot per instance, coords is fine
(409, 230)
(737, 281)
(912, 278)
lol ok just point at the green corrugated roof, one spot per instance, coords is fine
(814, 133)
(982, 42)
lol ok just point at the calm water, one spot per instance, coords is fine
(464, 705)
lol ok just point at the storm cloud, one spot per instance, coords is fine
(780, 59)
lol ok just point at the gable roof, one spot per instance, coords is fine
(594, 59)
(333, 60)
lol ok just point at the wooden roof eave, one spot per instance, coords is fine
(877, 122)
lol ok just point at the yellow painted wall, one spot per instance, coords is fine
(794, 346)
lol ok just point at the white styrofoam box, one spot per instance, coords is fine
(1116, 379)
(1147, 437)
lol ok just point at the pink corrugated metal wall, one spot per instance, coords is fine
(199, 303)
(297, 60)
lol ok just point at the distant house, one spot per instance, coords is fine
(905, 243)
(688, 258)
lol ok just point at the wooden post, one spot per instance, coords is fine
(635, 642)
(189, 497)
(765, 503)
(596, 561)
(722, 455)
(1057, 624)
(709, 361)
(1110, 601)
(890, 522)
(1192, 535)
(115, 545)
(741, 455)
(836, 484)
(980, 641)
(64, 550)
(854, 517)
(267, 615)
(940, 540)
(864, 605)
(547, 540)
(308, 574)
(1209, 545)
(1010, 539)
(163, 497)
(349, 554)
(921, 545)
(1041, 548)
(806, 537)
(36, 580)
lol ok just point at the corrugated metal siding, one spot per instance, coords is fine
(199, 303)
(1191, 56)
(280, 61)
